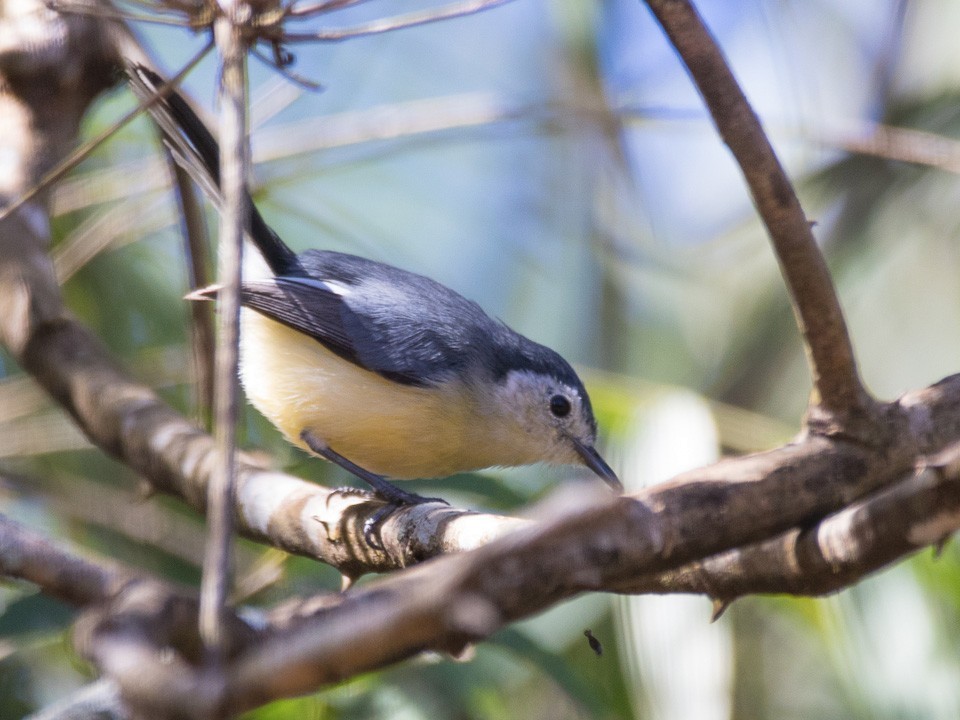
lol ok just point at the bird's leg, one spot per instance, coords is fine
(382, 488)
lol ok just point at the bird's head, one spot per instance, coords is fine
(545, 414)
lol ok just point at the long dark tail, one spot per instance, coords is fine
(195, 148)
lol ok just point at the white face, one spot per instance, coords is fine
(539, 418)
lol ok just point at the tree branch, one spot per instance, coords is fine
(29, 556)
(578, 546)
(923, 510)
(602, 543)
(839, 392)
(196, 243)
(459, 599)
(375, 27)
(234, 223)
(99, 700)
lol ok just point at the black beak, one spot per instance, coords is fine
(592, 459)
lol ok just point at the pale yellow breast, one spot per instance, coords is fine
(388, 428)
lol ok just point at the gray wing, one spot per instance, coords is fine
(321, 310)
(400, 325)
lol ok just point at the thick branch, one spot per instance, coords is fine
(833, 554)
(458, 599)
(837, 385)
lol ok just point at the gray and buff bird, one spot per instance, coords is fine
(382, 371)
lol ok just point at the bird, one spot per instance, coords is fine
(382, 371)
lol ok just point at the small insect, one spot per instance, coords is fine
(594, 643)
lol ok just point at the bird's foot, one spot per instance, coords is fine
(394, 500)
(394, 497)
(373, 524)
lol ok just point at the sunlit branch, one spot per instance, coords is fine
(460, 599)
(234, 224)
(835, 553)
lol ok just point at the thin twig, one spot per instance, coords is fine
(383, 25)
(295, 78)
(918, 147)
(100, 700)
(106, 228)
(203, 336)
(301, 12)
(83, 152)
(838, 390)
(234, 222)
(104, 12)
(58, 572)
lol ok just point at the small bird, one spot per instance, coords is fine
(382, 371)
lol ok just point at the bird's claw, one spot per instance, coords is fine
(373, 524)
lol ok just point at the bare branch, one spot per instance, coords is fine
(234, 223)
(896, 143)
(27, 555)
(196, 241)
(838, 389)
(303, 11)
(835, 553)
(585, 546)
(105, 12)
(375, 27)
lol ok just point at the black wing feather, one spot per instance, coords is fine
(307, 307)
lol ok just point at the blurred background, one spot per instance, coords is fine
(551, 160)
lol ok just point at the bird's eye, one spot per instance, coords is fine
(559, 406)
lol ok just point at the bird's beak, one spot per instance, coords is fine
(592, 459)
